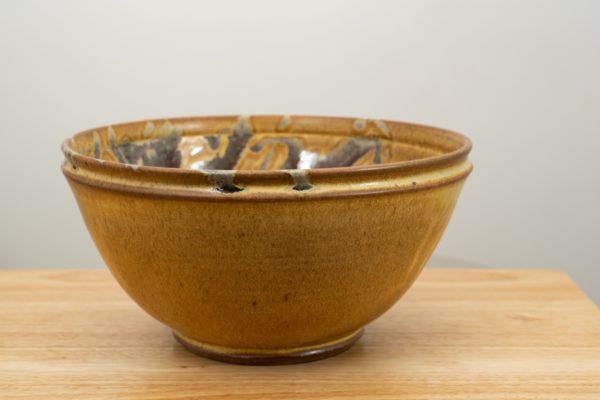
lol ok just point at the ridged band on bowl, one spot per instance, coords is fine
(445, 168)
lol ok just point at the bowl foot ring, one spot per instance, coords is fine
(266, 357)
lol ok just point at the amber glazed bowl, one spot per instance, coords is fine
(266, 239)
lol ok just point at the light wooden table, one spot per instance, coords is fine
(457, 334)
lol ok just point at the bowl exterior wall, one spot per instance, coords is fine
(266, 274)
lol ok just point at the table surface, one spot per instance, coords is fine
(457, 334)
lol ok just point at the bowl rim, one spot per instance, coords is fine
(443, 159)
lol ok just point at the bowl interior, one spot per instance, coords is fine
(263, 143)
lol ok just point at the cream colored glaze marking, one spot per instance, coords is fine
(134, 167)
(112, 141)
(167, 128)
(150, 153)
(382, 126)
(148, 130)
(284, 123)
(360, 124)
(97, 145)
(112, 135)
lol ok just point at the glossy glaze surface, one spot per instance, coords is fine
(240, 147)
(253, 257)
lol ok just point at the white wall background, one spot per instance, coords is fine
(521, 78)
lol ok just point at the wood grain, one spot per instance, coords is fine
(457, 334)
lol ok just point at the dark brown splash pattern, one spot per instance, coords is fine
(242, 149)
(245, 150)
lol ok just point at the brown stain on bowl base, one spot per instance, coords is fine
(252, 264)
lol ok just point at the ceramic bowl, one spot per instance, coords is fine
(266, 239)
